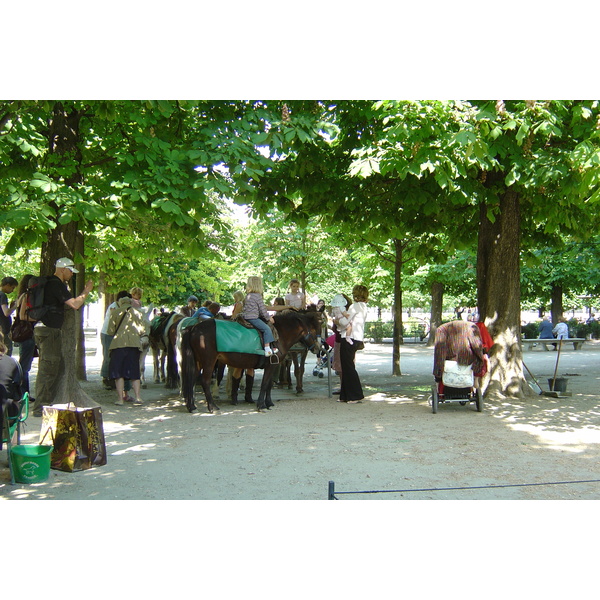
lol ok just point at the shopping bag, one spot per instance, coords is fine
(457, 376)
(77, 434)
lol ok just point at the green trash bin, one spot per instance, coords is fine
(31, 463)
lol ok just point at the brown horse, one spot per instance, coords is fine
(163, 334)
(199, 353)
(296, 357)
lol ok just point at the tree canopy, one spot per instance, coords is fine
(139, 189)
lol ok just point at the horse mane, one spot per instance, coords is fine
(301, 314)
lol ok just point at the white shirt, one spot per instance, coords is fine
(358, 316)
(561, 330)
(294, 300)
(107, 317)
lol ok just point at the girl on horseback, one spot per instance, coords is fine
(255, 311)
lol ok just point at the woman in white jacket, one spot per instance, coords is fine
(351, 389)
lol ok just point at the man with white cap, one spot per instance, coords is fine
(47, 331)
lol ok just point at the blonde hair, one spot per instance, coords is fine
(238, 295)
(254, 285)
(136, 291)
(360, 293)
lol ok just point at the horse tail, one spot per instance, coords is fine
(189, 371)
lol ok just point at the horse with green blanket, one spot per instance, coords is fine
(207, 342)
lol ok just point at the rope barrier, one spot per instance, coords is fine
(332, 492)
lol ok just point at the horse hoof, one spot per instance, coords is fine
(192, 408)
(234, 403)
(249, 401)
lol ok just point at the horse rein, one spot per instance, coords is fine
(311, 341)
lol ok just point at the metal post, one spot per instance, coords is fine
(331, 491)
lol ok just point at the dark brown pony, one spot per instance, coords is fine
(199, 354)
(163, 337)
(296, 357)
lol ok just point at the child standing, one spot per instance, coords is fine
(295, 298)
(255, 311)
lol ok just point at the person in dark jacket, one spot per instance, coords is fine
(48, 335)
(11, 385)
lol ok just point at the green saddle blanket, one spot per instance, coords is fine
(233, 337)
(187, 322)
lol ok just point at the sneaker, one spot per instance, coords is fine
(268, 352)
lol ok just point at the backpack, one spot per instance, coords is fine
(35, 307)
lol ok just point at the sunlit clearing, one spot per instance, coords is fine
(568, 441)
(160, 418)
(139, 448)
(112, 427)
(381, 397)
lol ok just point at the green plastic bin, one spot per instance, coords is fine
(31, 463)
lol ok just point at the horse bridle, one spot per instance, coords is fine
(311, 341)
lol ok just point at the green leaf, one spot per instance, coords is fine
(522, 133)
(512, 177)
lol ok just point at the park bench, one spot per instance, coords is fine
(577, 342)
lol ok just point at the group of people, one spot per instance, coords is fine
(550, 332)
(348, 317)
(45, 334)
(126, 328)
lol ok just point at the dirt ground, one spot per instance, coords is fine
(391, 442)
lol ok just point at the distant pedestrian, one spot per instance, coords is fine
(562, 329)
(7, 286)
(26, 347)
(545, 329)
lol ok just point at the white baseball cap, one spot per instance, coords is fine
(66, 263)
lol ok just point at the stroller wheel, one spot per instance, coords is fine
(320, 374)
(315, 372)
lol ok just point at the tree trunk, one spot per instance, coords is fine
(65, 240)
(397, 308)
(499, 295)
(437, 301)
(556, 302)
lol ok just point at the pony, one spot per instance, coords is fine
(296, 356)
(200, 355)
(163, 341)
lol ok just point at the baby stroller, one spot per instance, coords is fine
(454, 341)
(457, 385)
(324, 357)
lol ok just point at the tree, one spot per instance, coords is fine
(506, 160)
(79, 173)
(466, 169)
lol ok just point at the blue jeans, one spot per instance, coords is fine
(262, 326)
(26, 350)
